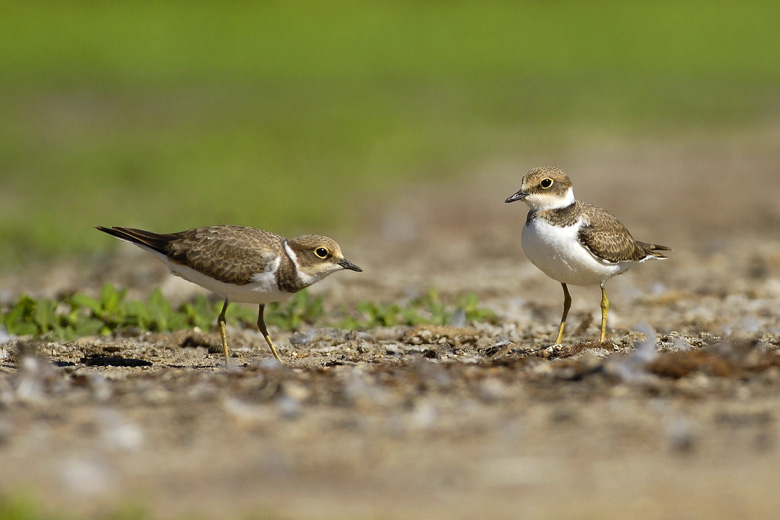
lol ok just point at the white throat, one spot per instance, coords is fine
(543, 201)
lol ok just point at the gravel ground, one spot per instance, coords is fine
(676, 416)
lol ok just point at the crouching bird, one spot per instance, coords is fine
(242, 264)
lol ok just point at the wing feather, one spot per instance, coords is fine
(606, 238)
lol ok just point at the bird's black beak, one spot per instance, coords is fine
(346, 264)
(520, 195)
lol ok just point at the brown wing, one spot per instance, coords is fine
(229, 254)
(606, 238)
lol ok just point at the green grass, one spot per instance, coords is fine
(299, 116)
(429, 308)
(77, 315)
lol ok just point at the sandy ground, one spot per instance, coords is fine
(675, 417)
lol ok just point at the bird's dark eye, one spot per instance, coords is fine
(321, 252)
(546, 183)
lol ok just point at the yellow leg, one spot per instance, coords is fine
(604, 311)
(566, 307)
(222, 332)
(264, 331)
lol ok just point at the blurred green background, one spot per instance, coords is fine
(295, 116)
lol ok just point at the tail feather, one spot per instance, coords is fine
(154, 241)
(654, 250)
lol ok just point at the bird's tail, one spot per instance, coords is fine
(654, 250)
(146, 239)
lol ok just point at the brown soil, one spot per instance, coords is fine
(676, 416)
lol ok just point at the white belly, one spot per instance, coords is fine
(556, 251)
(262, 289)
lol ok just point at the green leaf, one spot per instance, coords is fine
(82, 300)
(200, 313)
(88, 327)
(44, 315)
(110, 298)
(136, 313)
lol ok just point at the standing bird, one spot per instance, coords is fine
(573, 242)
(242, 264)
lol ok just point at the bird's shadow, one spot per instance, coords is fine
(100, 360)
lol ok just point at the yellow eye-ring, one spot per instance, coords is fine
(321, 252)
(546, 183)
